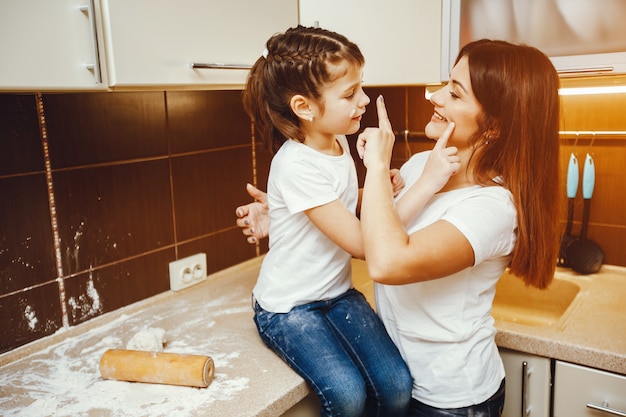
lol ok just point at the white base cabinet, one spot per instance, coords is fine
(585, 392)
(528, 379)
(578, 391)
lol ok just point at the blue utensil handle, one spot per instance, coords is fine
(589, 177)
(572, 176)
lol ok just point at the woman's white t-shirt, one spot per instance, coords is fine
(443, 327)
(303, 265)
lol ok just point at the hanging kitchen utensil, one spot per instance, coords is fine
(572, 190)
(584, 255)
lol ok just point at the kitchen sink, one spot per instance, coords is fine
(514, 301)
(517, 303)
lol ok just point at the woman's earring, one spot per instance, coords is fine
(310, 118)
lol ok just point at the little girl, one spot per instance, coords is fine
(304, 95)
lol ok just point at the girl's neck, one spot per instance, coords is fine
(324, 144)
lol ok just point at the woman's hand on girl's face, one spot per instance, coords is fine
(375, 145)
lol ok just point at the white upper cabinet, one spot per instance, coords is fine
(54, 45)
(156, 42)
(48, 45)
(401, 39)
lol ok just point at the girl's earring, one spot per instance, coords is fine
(310, 118)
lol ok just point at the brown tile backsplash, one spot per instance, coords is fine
(140, 179)
(112, 212)
(228, 248)
(20, 142)
(207, 188)
(96, 128)
(100, 290)
(29, 315)
(200, 120)
(26, 250)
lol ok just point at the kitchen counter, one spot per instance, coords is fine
(593, 330)
(59, 375)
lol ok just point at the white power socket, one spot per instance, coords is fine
(188, 271)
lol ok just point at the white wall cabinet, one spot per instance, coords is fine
(401, 40)
(580, 391)
(155, 42)
(48, 45)
(55, 45)
(528, 379)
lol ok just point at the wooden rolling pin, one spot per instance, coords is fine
(157, 367)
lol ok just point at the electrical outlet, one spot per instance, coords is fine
(187, 271)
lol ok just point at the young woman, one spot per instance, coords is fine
(484, 199)
(304, 95)
(489, 200)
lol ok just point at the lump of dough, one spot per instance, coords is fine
(150, 339)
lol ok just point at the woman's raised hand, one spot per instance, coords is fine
(443, 162)
(253, 218)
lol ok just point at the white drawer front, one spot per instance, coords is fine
(577, 389)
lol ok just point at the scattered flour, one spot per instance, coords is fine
(64, 379)
(87, 305)
(30, 316)
(150, 339)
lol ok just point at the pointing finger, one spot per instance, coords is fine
(383, 118)
(442, 142)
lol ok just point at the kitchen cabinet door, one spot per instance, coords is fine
(580, 391)
(49, 45)
(528, 379)
(156, 42)
(401, 40)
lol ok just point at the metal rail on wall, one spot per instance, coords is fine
(596, 134)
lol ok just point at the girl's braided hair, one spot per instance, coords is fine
(300, 61)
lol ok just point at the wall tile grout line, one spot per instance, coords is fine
(53, 214)
(254, 172)
(170, 175)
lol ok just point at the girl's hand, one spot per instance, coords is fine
(375, 145)
(397, 182)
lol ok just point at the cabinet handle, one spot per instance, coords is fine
(198, 65)
(525, 375)
(605, 408)
(89, 9)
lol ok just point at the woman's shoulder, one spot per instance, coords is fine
(495, 192)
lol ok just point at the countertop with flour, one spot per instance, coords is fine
(59, 375)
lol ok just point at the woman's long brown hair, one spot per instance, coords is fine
(517, 87)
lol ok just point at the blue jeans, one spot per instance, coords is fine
(491, 408)
(341, 348)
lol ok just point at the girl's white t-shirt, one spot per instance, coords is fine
(444, 327)
(303, 265)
